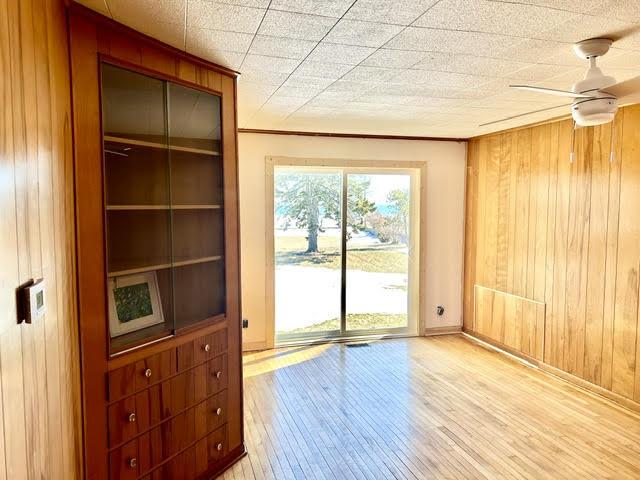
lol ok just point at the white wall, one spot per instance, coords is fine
(445, 215)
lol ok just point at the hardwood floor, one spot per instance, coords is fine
(437, 407)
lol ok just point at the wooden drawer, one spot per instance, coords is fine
(201, 349)
(210, 450)
(182, 467)
(125, 462)
(139, 375)
(164, 400)
(211, 414)
(179, 432)
(210, 377)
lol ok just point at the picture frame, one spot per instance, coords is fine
(134, 303)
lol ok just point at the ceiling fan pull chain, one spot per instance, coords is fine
(573, 141)
(612, 155)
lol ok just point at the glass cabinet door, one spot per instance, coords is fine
(196, 198)
(164, 217)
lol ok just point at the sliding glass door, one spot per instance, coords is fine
(342, 248)
(377, 251)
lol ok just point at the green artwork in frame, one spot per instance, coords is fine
(133, 301)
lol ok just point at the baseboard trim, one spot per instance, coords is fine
(253, 346)
(576, 382)
(432, 331)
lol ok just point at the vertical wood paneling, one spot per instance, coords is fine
(597, 257)
(613, 214)
(577, 253)
(565, 235)
(626, 306)
(39, 379)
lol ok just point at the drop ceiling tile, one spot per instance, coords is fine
(389, 11)
(328, 8)
(246, 3)
(367, 34)
(99, 6)
(148, 11)
(308, 82)
(261, 76)
(492, 17)
(585, 26)
(281, 47)
(171, 33)
(627, 10)
(438, 79)
(295, 25)
(322, 69)
(270, 64)
(222, 16)
(472, 65)
(282, 103)
(335, 53)
(298, 92)
(537, 73)
(231, 60)
(394, 58)
(532, 50)
(449, 41)
(252, 92)
(365, 74)
(202, 39)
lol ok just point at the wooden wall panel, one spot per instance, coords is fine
(497, 310)
(39, 373)
(564, 234)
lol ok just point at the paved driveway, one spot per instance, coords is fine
(308, 295)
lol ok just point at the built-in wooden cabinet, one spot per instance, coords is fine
(158, 258)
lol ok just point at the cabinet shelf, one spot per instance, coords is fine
(162, 207)
(161, 266)
(142, 143)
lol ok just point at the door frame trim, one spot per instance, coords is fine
(271, 162)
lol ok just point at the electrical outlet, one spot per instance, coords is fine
(245, 323)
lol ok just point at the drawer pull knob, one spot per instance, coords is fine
(132, 417)
(219, 447)
(147, 373)
(218, 375)
(218, 411)
(133, 462)
(207, 347)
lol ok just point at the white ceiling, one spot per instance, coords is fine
(396, 67)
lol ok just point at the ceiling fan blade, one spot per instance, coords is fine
(627, 91)
(551, 91)
(524, 114)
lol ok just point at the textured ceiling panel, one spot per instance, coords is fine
(295, 25)
(221, 16)
(405, 67)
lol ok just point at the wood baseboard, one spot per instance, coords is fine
(449, 330)
(254, 346)
(577, 382)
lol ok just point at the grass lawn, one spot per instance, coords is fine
(357, 321)
(379, 258)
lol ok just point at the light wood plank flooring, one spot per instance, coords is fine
(438, 407)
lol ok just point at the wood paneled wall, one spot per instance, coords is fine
(39, 363)
(564, 234)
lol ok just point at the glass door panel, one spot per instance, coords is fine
(308, 259)
(197, 204)
(137, 207)
(377, 252)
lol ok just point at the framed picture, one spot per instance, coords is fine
(134, 303)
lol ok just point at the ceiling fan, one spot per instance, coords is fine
(597, 96)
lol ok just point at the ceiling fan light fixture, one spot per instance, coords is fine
(594, 112)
